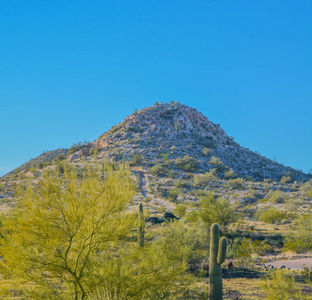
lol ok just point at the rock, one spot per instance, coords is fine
(170, 216)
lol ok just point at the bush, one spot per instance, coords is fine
(275, 216)
(136, 160)
(93, 151)
(299, 239)
(158, 170)
(180, 183)
(307, 188)
(183, 243)
(230, 174)
(206, 151)
(280, 285)
(216, 210)
(203, 180)
(76, 147)
(187, 163)
(218, 164)
(277, 197)
(253, 195)
(174, 193)
(180, 210)
(40, 165)
(237, 183)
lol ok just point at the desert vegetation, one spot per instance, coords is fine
(129, 217)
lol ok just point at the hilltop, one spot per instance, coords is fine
(177, 130)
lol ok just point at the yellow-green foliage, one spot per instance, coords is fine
(206, 151)
(202, 180)
(242, 250)
(158, 170)
(218, 164)
(180, 210)
(277, 197)
(187, 163)
(59, 231)
(275, 216)
(216, 210)
(307, 188)
(230, 174)
(280, 286)
(299, 239)
(237, 183)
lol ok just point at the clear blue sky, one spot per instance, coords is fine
(69, 70)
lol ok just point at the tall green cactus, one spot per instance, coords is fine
(141, 224)
(217, 257)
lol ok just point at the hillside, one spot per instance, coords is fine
(178, 130)
(184, 164)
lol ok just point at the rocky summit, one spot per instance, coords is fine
(175, 131)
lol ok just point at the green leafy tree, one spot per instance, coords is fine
(59, 231)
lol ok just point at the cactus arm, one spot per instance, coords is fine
(222, 251)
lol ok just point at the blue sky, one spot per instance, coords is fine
(69, 70)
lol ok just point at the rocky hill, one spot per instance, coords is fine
(175, 130)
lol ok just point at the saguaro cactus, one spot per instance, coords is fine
(217, 257)
(141, 224)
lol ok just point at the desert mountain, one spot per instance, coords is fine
(176, 130)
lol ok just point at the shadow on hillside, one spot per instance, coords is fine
(241, 273)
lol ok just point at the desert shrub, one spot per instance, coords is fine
(166, 157)
(277, 197)
(40, 165)
(187, 163)
(180, 210)
(307, 188)
(115, 128)
(202, 180)
(136, 160)
(237, 183)
(299, 238)
(275, 216)
(218, 164)
(183, 243)
(241, 250)
(206, 151)
(253, 195)
(230, 174)
(33, 170)
(158, 170)
(173, 194)
(216, 210)
(59, 157)
(93, 151)
(180, 183)
(279, 286)
(1, 187)
(192, 216)
(60, 167)
(76, 147)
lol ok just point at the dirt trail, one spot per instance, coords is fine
(143, 185)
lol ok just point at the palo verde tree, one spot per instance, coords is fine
(61, 228)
